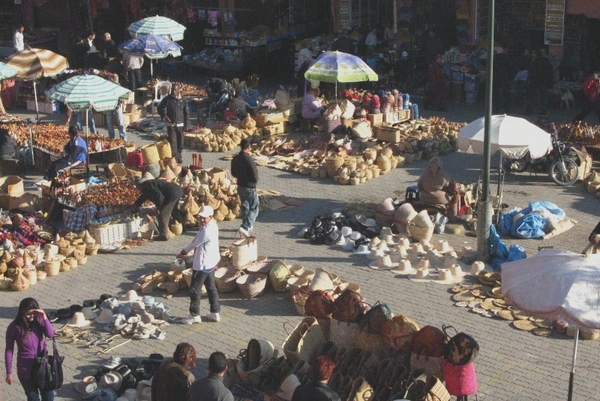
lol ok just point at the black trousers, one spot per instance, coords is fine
(168, 209)
(55, 166)
(176, 141)
(200, 278)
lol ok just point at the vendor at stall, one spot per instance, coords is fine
(435, 188)
(75, 154)
(312, 108)
(165, 196)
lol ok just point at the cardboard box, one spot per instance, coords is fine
(12, 185)
(128, 108)
(75, 185)
(388, 134)
(273, 128)
(217, 173)
(27, 203)
(375, 119)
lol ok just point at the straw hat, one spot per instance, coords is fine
(504, 314)
(465, 296)
(457, 272)
(106, 315)
(422, 219)
(443, 247)
(88, 312)
(525, 325)
(80, 386)
(421, 275)
(383, 262)
(374, 254)
(403, 241)
(131, 296)
(476, 267)
(78, 320)
(413, 257)
(138, 306)
(388, 239)
(363, 249)
(426, 244)
(375, 241)
(383, 247)
(147, 317)
(445, 277)
(396, 256)
(112, 380)
(449, 261)
(465, 250)
(404, 268)
(424, 264)
(418, 249)
(402, 250)
(385, 231)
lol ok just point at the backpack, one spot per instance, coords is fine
(134, 159)
(590, 87)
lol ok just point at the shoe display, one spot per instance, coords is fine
(213, 317)
(244, 232)
(191, 319)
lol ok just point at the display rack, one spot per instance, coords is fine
(555, 22)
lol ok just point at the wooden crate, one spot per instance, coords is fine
(403, 115)
(375, 119)
(274, 128)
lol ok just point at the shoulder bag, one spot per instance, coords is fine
(47, 370)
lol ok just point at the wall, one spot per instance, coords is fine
(590, 8)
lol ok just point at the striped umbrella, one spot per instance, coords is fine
(157, 25)
(32, 64)
(37, 63)
(88, 92)
(6, 71)
(152, 46)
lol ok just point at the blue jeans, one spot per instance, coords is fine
(111, 127)
(33, 392)
(249, 198)
(91, 122)
(206, 279)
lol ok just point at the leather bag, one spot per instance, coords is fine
(47, 369)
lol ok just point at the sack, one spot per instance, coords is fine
(461, 348)
(319, 304)
(283, 100)
(135, 159)
(343, 334)
(398, 331)
(47, 369)
(432, 365)
(590, 87)
(349, 306)
(243, 251)
(460, 379)
(374, 319)
(429, 341)
(303, 343)
(279, 275)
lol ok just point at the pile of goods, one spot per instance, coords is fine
(23, 267)
(186, 90)
(581, 134)
(223, 139)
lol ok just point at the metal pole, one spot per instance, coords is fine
(37, 112)
(484, 208)
(572, 374)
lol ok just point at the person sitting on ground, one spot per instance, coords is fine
(75, 154)
(173, 378)
(435, 188)
(211, 388)
(316, 389)
(312, 107)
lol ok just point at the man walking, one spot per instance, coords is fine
(165, 196)
(206, 259)
(211, 388)
(244, 169)
(174, 110)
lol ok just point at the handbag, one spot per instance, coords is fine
(47, 369)
(374, 319)
(243, 251)
(303, 343)
(432, 365)
(398, 331)
(461, 348)
(319, 304)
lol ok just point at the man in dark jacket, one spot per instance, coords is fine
(165, 196)
(174, 110)
(316, 389)
(244, 169)
(541, 78)
(211, 388)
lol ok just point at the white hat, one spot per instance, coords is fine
(106, 315)
(404, 268)
(405, 242)
(418, 248)
(130, 394)
(477, 267)
(346, 231)
(362, 249)
(349, 245)
(88, 312)
(396, 255)
(388, 239)
(421, 275)
(113, 362)
(383, 262)
(465, 251)
(457, 271)
(383, 247)
(78, 320)
(424, 264)
(445, 277)
(442, 246)
(402, 250)
(375, 241)
(384, 232)
(206, 211)
(355, 236)
(426, 244)
(449, 261)
(131, 296)
(341, 241)
(375, 253)
(80, 386)
(112, 379)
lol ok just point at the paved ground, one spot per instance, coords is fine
(512, 365)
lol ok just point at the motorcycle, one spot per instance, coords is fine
(560, 164)
(220, 92)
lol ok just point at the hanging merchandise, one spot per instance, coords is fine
(213, 18)
(201, 15)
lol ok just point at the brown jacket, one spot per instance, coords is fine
(171, 382)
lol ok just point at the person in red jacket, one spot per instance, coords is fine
(591, 89)
(436, 87)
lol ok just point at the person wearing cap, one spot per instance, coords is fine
(75, 154)
(211, 388)
(206, 260)
(28, 330)
(316, 389)
(243, 168)
(173, 378)
(165, 196)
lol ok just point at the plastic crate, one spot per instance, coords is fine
(133, 227)
(109, 234)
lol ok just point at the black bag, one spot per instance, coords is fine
(461, 348)
(47, 370)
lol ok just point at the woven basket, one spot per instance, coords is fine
(66, 250)
(176, 228)
(252, 285)
(31, 275)
(253, 377)
(150, 154)
(80, 247)
(589, 334)
(187, 276)
(65, 266)
(299, 297)
(92, 249)
(52, 268)
(420, 233)
(82, 261)
(225, 279)
(72, 262)
(163, 148)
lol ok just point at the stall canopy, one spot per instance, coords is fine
(151, 46)
(157, 25)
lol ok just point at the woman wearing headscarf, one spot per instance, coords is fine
(173, 378)
(434, 184)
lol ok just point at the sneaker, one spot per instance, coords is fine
(191, 319)
(213, 317)
(244, 231)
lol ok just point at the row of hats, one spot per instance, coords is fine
(334, 229)
(68, 313)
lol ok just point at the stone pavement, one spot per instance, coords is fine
(512, 365)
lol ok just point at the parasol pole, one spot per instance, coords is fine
(37, 111)
(572, 374)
